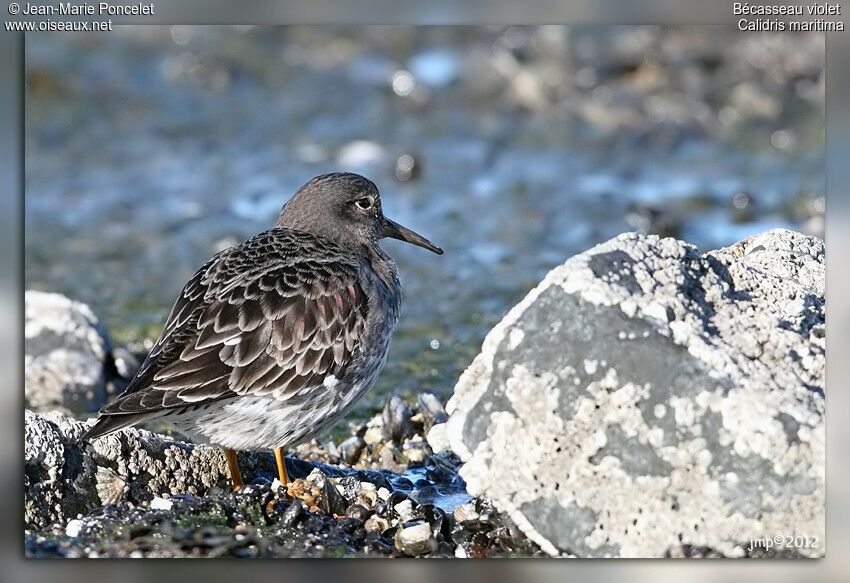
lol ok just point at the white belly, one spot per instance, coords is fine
(264, 422)
(251, 422)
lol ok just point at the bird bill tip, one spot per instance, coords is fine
(396, 231)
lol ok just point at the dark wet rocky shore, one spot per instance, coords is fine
(356, 507)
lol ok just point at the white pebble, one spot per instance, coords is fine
(74, 527)
(161, 504)
(404, 508)
(360, 153)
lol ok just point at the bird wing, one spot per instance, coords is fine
(262, 318)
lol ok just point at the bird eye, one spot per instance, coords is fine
(364, 203)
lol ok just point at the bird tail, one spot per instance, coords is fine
(107, 424)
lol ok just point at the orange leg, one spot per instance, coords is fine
(233, 466)
(281, 466)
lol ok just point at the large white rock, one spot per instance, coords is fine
(645, 401)
(66, 354)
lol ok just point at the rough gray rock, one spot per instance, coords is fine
(131, 494)
(646, 399)
(64, 478)
(66, 354)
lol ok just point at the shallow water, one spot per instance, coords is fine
(151, 148)
(436, 482)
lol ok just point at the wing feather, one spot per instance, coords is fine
(254, 322)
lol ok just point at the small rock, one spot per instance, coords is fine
(126, 363)
(306, 490)
(396, 418)
(74, 527)
(316, 477)
(416, 451)
(392, 459)
(438, 439)
(404, 509)
(351, 449)
(332, 452)
(374, 433)
(415, 539)
(435, 516)
(331, 502)
(376, 523)
(161, 504)
(360, 153)
(292, 514)
(466, 513)
(432, 410)
(406, 168)
(367, 498)
(358, 511)
(348, 486)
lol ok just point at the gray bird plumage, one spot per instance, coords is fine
(275, 338)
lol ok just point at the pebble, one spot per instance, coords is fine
(374, 435)
(351, 449)
(431, 409)
(416, 451)
(415, 539)
(376, 524)
(360, 153)
(358, 511)
(293, 513)
(397, 424)
(466, 513)
(392, 459)
(161, 504)
(404, 508)
(367, 498)
(406, 168)
(348, 486)
(330, 500)
(126, 363)
(74, 527)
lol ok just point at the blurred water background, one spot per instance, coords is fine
(150, 148)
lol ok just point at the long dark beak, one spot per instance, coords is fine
(396, 231)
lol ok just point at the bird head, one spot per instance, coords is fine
(346, 208)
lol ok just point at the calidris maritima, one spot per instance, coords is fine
(274, 339)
